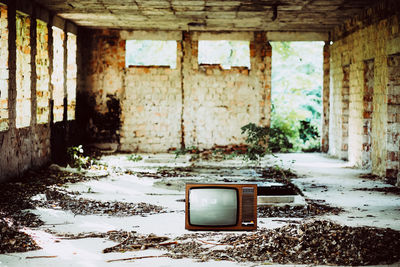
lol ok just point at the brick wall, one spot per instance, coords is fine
(219, 101)
(374, 35)
(192, 105)
(151, 109)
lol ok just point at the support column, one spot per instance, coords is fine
(12, 65)
(325, 99)
(261, 50)
(33, 41)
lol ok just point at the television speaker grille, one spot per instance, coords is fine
(248, 206)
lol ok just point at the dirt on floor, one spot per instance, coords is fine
(313, 208)
(306, 240)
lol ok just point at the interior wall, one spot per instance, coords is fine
(367, 114)
(374, 35)
(218, 102)
(163, 108)
(26, 127)
(102, 66)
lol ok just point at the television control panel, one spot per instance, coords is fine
(248, 195)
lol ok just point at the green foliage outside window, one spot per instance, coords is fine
(296, 96)
(151, 53)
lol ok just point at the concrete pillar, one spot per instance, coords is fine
(325, 99)
(261, 50)
(345, 94)
(12, 61)
(33, 30)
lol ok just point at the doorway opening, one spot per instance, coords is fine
(296, 97)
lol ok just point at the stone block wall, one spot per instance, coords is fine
(192, 105)
(218, 102)
(371, 36)
(151, 109)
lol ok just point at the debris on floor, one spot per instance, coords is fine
(81, 206)
(41, 188)
(302, 236)
(13, 240)
(165, 172)
(310, 242)
(127, 240)
(385, 190)
(312, 209)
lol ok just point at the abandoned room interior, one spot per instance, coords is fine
(97, 142)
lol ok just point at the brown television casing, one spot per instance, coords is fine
(247, 212)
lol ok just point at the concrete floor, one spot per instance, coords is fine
(320, 177)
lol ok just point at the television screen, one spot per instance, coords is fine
(213, 206)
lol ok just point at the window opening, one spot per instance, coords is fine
(151, 53)
(57, 77)
(23, 70)
(4, 72)
(71, 75)
(226, 53)
(42, 73)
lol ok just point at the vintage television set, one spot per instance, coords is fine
(221, 207)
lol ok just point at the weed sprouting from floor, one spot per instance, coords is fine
(78, 159)
(134, 157)
(256, 141)
(186, 150)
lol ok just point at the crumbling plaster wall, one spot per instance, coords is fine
(192, 105)
(374, 35)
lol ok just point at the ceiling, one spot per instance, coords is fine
(211, 15)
